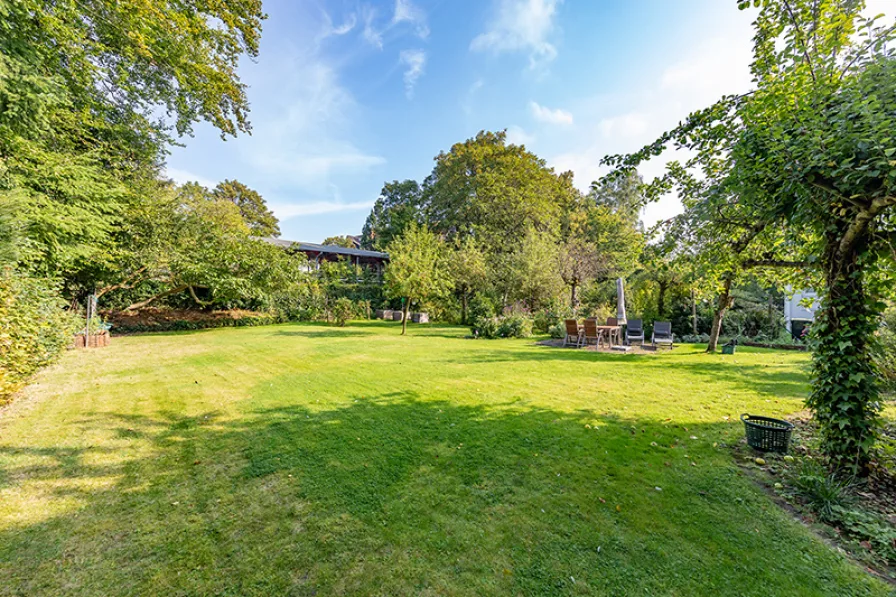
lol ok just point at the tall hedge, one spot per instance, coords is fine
(35, 328)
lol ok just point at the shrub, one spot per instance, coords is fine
(822, 490)
(342, 311)
(557, 331)
(515, 326)
(35, 328)
(481, 307)
(507, 326)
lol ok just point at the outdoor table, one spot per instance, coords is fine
(611, 331)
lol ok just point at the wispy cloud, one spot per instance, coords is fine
(285, 211)
(549, 116)
(370, 33)
(307, 140)
(521, 25)
(407, 12)
(330, 30)
(414, 62)
(517, 136)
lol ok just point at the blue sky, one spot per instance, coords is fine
(348, 94)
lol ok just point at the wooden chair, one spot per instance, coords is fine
(573, 333)
(592, 334)
(615, 335)
(662, 334)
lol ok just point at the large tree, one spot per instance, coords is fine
(260, 220)
(496, 192)
(810, 151)
(91, 94)
(399, 205)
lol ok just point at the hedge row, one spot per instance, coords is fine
(204, 324)
(35, 328)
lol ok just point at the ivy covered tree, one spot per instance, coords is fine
(810, 153)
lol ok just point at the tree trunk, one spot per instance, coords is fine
(574, 297)
(661, 298)
(694, 310)
(404, 318)
(463, 308)
(845, 394)
(722, 306)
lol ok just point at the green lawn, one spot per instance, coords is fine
(312, 460)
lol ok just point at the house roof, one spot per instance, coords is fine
(331, 249)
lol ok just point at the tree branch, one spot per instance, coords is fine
(124, 284)
(141, 304)
(776, 263)
(861, 221)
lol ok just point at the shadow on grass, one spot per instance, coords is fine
(394, 495)
(759, 378)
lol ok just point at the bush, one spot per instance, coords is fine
(507, 326)
(35, 328)
(342, 311)
(515, 326)
(822, 490)
(558, 331)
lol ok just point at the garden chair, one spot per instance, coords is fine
(615, 335)
(592, 333)
(634, 330)
(662, 334)
(573, 333)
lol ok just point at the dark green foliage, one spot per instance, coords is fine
(399, 204)
(822, 490)
(845, 390)
(224, 322)
(34, 327)
(342, 311)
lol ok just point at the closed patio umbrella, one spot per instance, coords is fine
(620, 302)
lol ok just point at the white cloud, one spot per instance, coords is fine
(331, 30)
(306, 138)
(633, 124)
(407, 12)
(183, 176)
(285, 211)
(414, 62)
(521, 25)
(370, 33)
(543, 114)
(517, 136)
